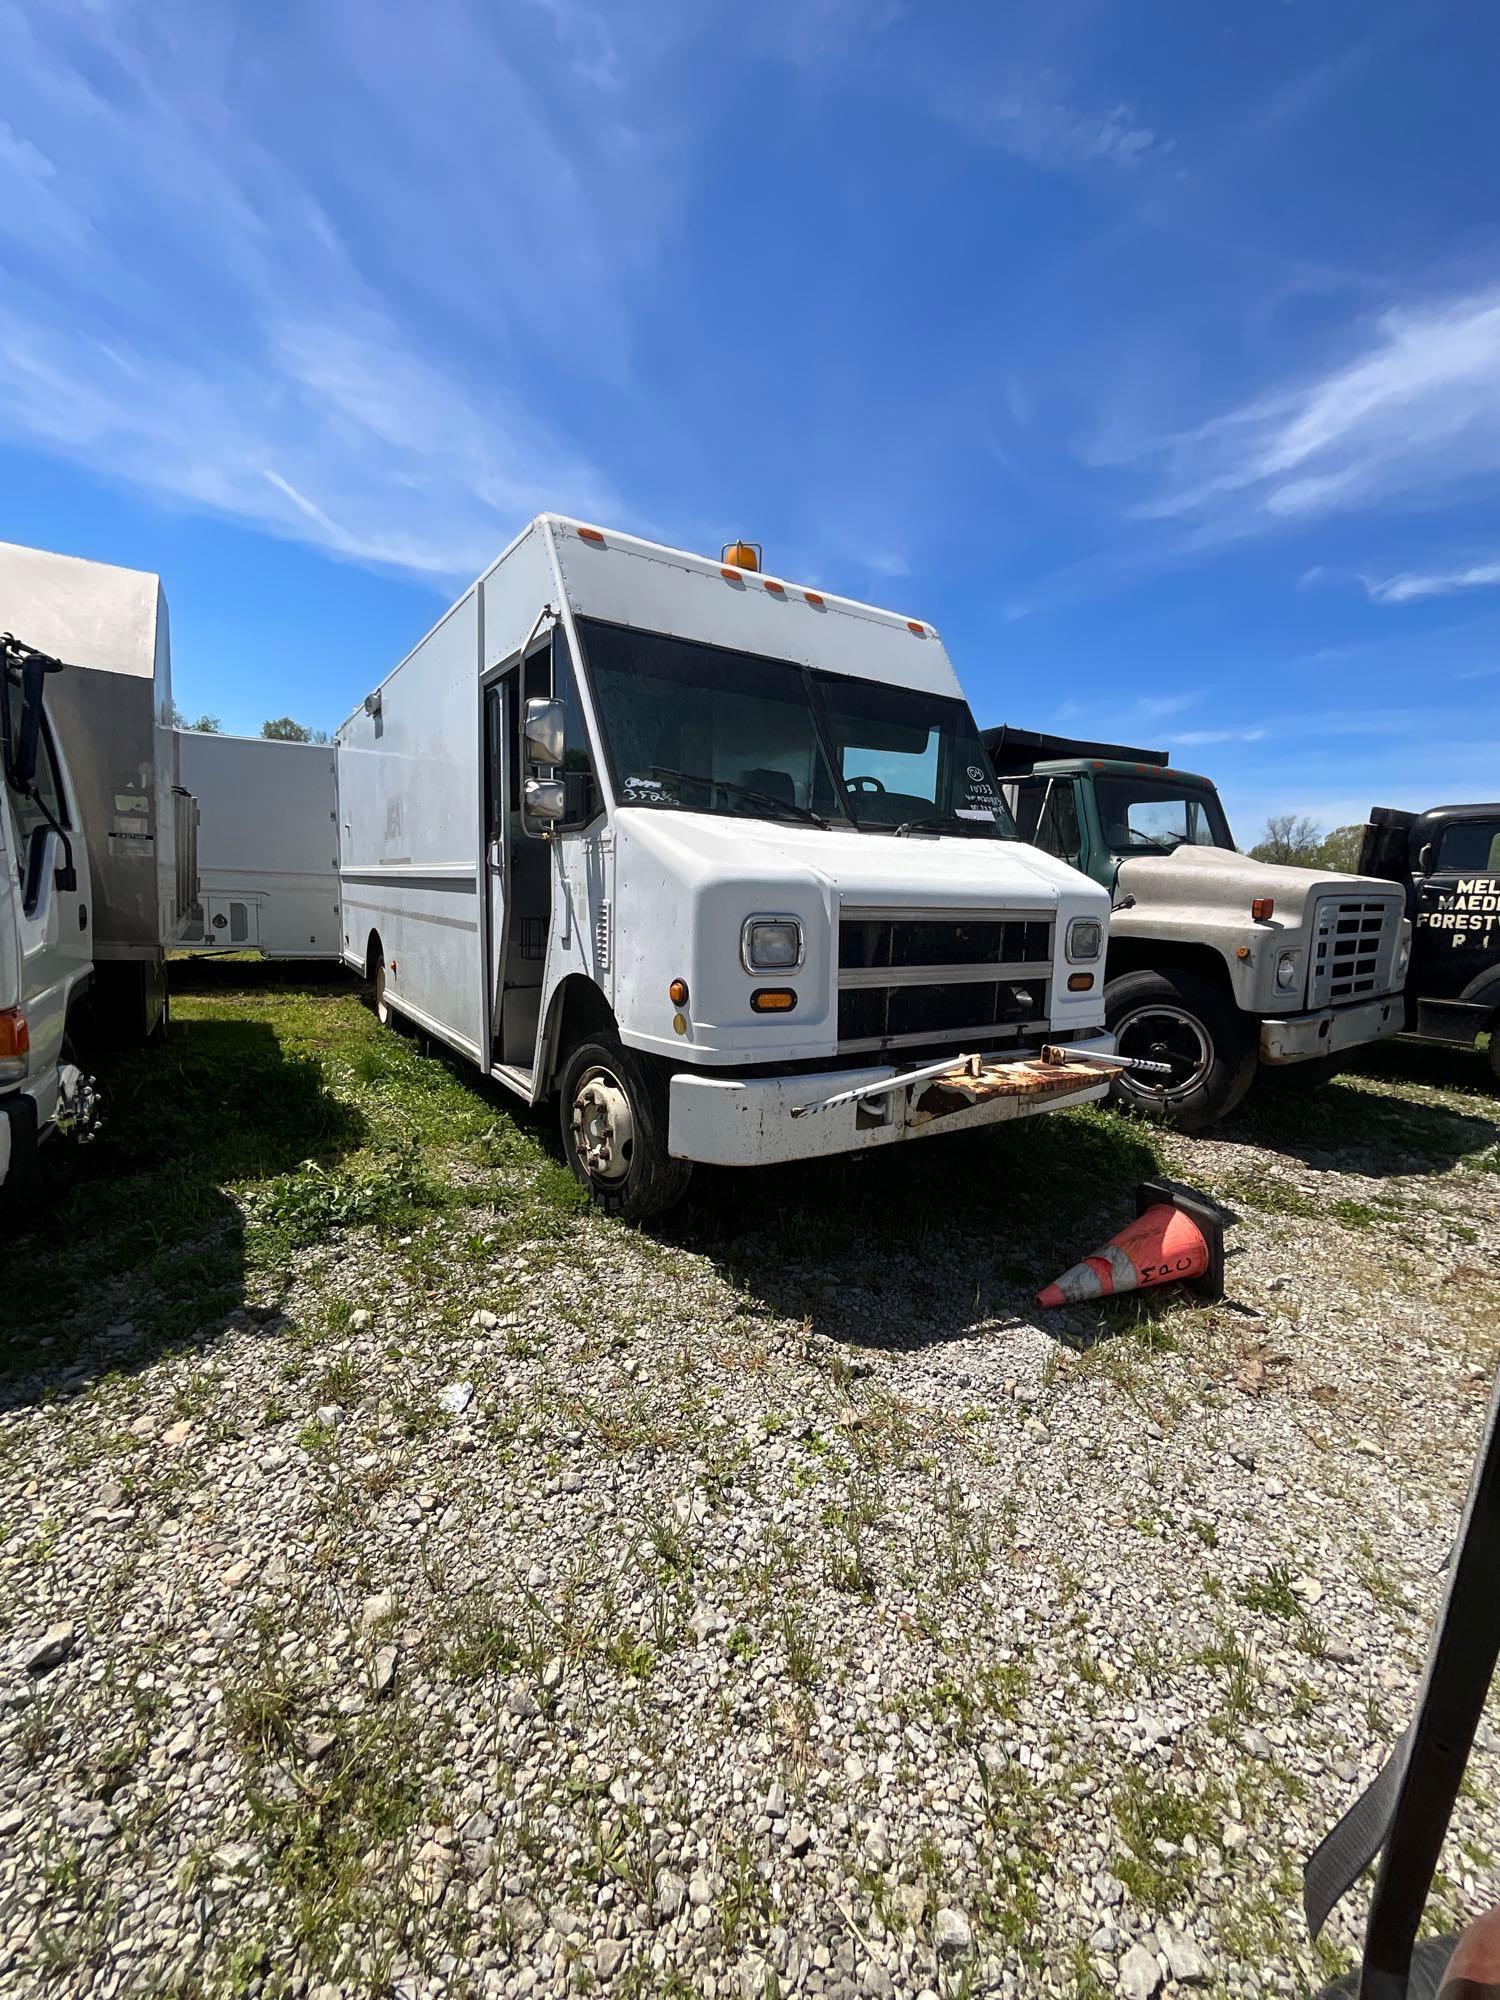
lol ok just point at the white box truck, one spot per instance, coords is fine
(715, 858)
(110, 713)
(267, 844)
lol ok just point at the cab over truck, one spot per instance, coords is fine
(47, 1105)
(712, 859)
(109, 716)
(1219, 966)
(1446, 862)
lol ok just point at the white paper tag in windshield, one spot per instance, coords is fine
(974, 812)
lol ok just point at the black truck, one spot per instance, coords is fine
(1447, 861)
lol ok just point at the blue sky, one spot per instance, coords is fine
(1150, 351)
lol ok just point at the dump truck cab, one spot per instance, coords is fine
(1218, 965)
(47, 1105)
(1446, 862)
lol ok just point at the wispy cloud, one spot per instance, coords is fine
(1038, 119)
(1413, 584)
(1416, 410)
(203, 314)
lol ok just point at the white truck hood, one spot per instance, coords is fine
(861, 868)
(1213, 877)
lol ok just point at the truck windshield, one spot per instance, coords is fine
(1154, 815)
(704, 729)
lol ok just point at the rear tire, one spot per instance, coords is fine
(613, 1112)
(1178, 1018)
(1494, 1056)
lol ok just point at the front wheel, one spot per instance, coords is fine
(614, 1130)
(1180, 1020)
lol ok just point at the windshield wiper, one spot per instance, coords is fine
(767, 799)
(948, 823)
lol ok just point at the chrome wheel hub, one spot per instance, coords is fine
(1165, 1034)
(603, 1127)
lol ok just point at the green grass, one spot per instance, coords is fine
(277, 1115)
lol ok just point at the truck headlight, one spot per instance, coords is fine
(771, 944)
(1085, 937)
(1286, 972)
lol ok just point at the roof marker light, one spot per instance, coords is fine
(590, 535)
(733, 576)
(813, 596)
(776, 589)
(913, 626)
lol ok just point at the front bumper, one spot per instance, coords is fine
(1289, 1038)
(727, 1121)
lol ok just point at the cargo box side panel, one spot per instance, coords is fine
(267, 843)
(408, 778)
(105, 725)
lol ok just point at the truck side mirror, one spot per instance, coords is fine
(545, 730)
(545, 800)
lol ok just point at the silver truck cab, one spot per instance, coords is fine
(47, 1104)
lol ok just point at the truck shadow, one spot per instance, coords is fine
(1346, 1125)
(148, 1250)
(910, 1246)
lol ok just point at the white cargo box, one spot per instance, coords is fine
(267, 844)
(113, 717)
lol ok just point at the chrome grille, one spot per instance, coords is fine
(1353, 941)
(912, 976)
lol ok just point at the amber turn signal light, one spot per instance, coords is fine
(1263, 908)
(1080, 982)
(772, 1000)
(677, 993)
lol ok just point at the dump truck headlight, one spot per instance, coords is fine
(771, 944)
(1085, 937)
(1286, 972)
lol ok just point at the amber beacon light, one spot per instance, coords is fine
(742, 555)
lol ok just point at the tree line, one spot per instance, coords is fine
(280, 729)
(1296, 840)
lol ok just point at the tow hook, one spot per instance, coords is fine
(80, 1111)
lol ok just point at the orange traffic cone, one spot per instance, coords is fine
(1176, 1238)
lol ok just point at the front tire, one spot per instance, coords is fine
(1177, 1018)
(614, 1130)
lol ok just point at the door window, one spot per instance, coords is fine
(1472, 848)
(1047, 816)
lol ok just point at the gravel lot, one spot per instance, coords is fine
(411, 1583)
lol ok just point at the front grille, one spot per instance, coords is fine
(1352, 943)
(866, 941)
(911, 976)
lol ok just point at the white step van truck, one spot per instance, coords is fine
(267, 844)
(716, 858)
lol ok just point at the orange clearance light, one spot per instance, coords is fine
(772, 1000)
(776, 589)
(15, 1035)
(733, 576)
(677, 993)
(590, 535)
(743, 555)
(1242, 951)
(1263, 908)
(913, 626)
(1080, 982)
(813, 596)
